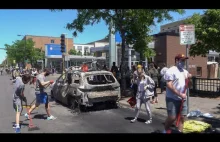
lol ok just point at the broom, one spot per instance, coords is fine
(181, 106)
(31, 126)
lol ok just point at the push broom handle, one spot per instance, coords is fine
(181, 106)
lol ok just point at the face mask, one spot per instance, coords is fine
(181, 64)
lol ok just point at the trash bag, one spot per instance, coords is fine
(193, 126)
(132, 101)
(195, 113)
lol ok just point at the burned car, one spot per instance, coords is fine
(79, 88)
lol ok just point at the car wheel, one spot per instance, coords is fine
(74, 105)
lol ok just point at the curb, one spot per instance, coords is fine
(154, 114)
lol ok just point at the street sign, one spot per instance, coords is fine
(67, 58)
(187, 34)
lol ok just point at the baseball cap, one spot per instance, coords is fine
(181, 56)
(139, 66)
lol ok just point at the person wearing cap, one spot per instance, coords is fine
(41, 84)
(135, 78)
(175, 78)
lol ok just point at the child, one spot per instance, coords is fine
(19, 85)
(144, 91)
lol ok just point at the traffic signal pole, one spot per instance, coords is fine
(63, 46)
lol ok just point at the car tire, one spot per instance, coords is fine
(74, 105)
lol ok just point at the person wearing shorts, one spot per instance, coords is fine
(41, 84)
(175, 78)
(19, 85)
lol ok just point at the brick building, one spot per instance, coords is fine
(40, 41)
(167, 45)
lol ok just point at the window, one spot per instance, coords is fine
(210, 59)
(30, 39)
(100, 79)
(199, 71)
(79, 47)
(173, 31)
(52, 41)
(74, 47)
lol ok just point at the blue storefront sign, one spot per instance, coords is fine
(52, 49)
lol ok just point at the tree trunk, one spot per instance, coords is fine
(123, 65)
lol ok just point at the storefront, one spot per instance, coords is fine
(53, 58)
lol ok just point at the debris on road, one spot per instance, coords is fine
(193, 126)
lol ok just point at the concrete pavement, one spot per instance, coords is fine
(102, 121)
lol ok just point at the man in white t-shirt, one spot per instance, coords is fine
(175, 80)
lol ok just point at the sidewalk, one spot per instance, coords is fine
(205, 105)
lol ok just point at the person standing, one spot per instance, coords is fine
(162, 73)
(154, 74)
(176, 82)
(41, 84)
(19, 85)
(144, 92)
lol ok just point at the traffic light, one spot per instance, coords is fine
(63, 46)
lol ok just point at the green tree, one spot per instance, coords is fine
(22, 50)
(132, 24)
(72, 52)
(207, 32)
(141, 46)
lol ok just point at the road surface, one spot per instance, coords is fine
(102, 121)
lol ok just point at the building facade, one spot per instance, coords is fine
(83, 48)
(167, 46)
(40, 41)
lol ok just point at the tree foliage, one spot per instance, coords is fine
(207, 32)
(73, 52)
(132, 24)
(22, 50)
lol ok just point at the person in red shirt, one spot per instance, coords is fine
(85, 67)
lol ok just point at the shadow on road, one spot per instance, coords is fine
(40, 116)
(139, 119)
(161, 108)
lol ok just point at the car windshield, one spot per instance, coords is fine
(100, 79)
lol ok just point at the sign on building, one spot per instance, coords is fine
(187, 34)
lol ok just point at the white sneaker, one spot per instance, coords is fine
(148, 121)
(51, 118)
(27, 116)
(133, 120)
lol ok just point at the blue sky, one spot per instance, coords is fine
(46, 23)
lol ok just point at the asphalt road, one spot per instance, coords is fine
(101, 121)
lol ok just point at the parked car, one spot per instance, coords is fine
(79, 88)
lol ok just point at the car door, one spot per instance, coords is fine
(62, 88)
(56, 86)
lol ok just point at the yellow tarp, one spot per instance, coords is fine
(193, 126)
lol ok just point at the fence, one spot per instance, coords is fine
(204, 86)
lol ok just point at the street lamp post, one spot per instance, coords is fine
(24, 48)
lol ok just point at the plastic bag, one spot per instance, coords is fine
(132, 101)
(195, 113)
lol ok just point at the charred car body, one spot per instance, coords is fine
(78, 88)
